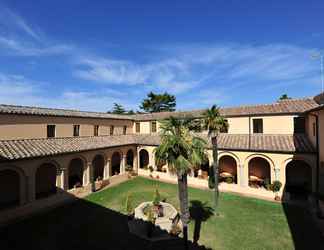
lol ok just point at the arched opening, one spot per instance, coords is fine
(227, 169)
(98, 165)
(144, 159)
(298, 177)
(130, 159)
(115, 163)
(9, 188)
(76, 173)
(203, 170)
(45, 180)
(259, 173)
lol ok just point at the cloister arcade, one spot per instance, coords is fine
(37, 179)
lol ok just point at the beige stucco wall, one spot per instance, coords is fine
(145, 127)
(26, 127)
(240, 125)
(276, 124)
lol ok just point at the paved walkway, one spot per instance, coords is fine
(259, 193)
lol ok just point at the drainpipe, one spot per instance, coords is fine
(319, 213)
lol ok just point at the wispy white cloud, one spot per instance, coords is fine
(19, 90)
(17, 37)
(188, 67)
(17, 47)
(12, 20)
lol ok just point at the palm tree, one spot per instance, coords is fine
(181, 150)
(214, 123)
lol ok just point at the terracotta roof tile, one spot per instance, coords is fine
(27, 110)
(22, 149)
(291, 106)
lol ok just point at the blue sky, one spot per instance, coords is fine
(89, 54)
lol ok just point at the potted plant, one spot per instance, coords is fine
(157, 207)
(275, 187)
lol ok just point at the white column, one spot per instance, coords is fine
(107, 170)
(87, 174)
(243, 178)
(138, 158)
(277, 174)
(123, 164)
(64, 178)
(135, 162)
(153, 161)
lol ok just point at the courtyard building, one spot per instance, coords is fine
(48, 156)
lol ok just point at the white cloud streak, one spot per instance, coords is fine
(18, 90)
(12, 20)
(189, 67)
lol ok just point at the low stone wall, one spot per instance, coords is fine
(260, 193)
(13, 214)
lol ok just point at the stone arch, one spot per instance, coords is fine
(227, 153)
(144, 158)
(130, 158)
(76, 172)
(259, 171)
(298, 174)
(45, 180)
(12, 187)
(98, 164)
(228, 168)
(115, 163)
(265, 157)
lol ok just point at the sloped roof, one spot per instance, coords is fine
(27, 110)
(292, 106)
(30, 148)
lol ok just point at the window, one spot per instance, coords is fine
(76, 130)
(299, 125)
(50, 131)
(112, 130)
(125, 130)
(314, 129)
(257, 126)
(153, 127)
(137, 127)
(96, 130)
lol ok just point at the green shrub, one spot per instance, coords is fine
(157, 198)
(229, 180)
(276, 185)
(129, 204)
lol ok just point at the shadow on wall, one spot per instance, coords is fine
(304, 231)
(79, 225)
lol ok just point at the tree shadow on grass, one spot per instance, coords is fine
(199, 212)
(305, 233)
(80, 225)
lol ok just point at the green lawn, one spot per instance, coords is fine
(97, 222)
